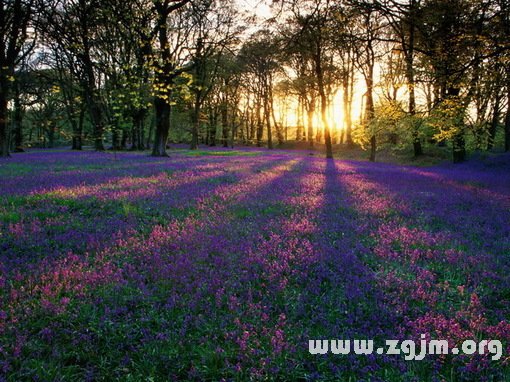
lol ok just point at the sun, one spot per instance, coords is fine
(287, 113)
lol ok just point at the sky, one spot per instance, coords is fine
(259, 7)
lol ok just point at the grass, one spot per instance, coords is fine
(13, 169)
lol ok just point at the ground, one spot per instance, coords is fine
(222, 265)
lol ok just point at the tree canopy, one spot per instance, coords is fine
(144, 74)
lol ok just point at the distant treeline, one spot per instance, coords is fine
(140, 74)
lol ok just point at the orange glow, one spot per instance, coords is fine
(286, 111)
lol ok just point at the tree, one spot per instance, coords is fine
(75, 26)
(16, 42)
(313, 21)
(500, 43)
(298, 58)
(258, 57)
(165, 62)
(215, 32)
(448, 40)
(402, 17)
(125, 46)
(22, 90)
(67, 73)
(367, 40)
(345, 49)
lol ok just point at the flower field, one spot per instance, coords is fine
(222, 267)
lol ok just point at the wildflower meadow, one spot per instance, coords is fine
(222, 266)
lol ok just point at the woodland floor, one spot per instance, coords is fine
(222, 265)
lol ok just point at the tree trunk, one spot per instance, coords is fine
(94, 108)
(327, 133)
(18, 123)
(267, 116)
(224, 125)
(279, 133)
(213, 121)
(370, 112)
(138, 118)
(149, 134)
(417, 146)
(196, 126)
(4, 135)
(123, 140)
(373, 148)
(347, 106)
(507, 116)
(51, 135)
(260, 124)
(164, 80)
(233, 135)
(324, 102)
(459, 148)
(318, 135)
(78, 131)
(458, 140)
(494, 123)
(299, 126)
(98, 129)
(163, 109)
(90, 87)
(409, 60)
(507, 124)
(116, 138)
(251, 127)
(76, 144)
(74, 127)
(134, 138)
(310, 113)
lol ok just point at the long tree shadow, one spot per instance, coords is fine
(344, 300)
(304, 274)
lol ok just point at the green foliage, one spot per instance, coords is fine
(448, 119)
(389, 121)
(178, 90)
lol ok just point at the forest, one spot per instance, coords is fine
(139, 75)
(255, 190)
